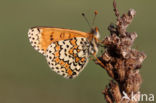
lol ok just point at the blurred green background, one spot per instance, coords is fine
(24, 74)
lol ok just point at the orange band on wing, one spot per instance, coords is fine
(49, 35)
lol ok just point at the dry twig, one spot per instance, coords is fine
(121, 61)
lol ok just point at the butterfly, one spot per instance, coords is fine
(66, 51)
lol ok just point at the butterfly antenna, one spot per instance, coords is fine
(95, 13)
(83, 14)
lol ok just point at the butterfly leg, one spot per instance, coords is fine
(94, 54)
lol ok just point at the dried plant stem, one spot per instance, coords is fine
(121, 61)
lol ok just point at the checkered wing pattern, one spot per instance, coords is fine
(68, 57)
(34, 35)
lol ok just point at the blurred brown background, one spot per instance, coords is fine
(24, 74)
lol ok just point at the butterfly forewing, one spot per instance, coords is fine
(41, 37)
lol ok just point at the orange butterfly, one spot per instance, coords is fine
(66, 51)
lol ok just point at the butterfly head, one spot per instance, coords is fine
(95, 32)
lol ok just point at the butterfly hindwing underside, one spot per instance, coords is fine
(68, 57)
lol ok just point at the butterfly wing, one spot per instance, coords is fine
(68, 57)
(41, 37)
